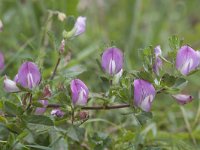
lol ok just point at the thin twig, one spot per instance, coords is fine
(95, 107)
(55, 69)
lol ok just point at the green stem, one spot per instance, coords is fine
(55, 69)
(188, 125)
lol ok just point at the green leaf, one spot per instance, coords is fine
(168, 80)
(70, 23)
(145, 76)
(37, 104)
(38, 119)
(180, 83)
(73, 71)
(13, 109)
(175, 42)
(76, 133)
(143, 117)
(63, 98)
(39, 147)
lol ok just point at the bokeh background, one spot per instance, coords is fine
(128, 24)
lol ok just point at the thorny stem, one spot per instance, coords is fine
(55, 69)
(95, 107)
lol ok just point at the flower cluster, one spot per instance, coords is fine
(29, 76)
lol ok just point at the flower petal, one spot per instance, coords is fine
(10, 85)
(144, 93)
(41, 110)
(182, 98)
(1, 61)
(79, 91)
(112, 60)
(57, 112)
(187, 59)
(80, 25)
(29, 75)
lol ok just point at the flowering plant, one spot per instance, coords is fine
(59, 102)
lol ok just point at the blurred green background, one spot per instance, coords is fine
(128, 24)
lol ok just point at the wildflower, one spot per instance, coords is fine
(41, 110)
(79, 92)
(80, 25)
(158, 62)
(28, 75)
(10, 85)
(1, 26)
(144, 94)
(187, 60)
(182, 98)
(112, 60)
(57, 112)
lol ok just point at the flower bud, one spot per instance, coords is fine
(80, 25)
(1, 26)
(182, 98)
(10, 85)
(83, 115)
(158, 62)
(79, 92)
(57, 112)
(112, 60)
(29, 75)
(62, 46)
(47, 91)
(144, 94)
(61, 16)
(187, 60)
(41, 110)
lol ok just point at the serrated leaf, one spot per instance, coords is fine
(38, 119)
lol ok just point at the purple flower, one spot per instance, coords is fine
(182, 98)
(41, 110)
(144, 93)
(1, 26)
(10, 85)
(1, 61)
(112, 60)
(187, 59)
(80, 92)
(57, 112)
(158, 62)
(79, 26)
(28, 75)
